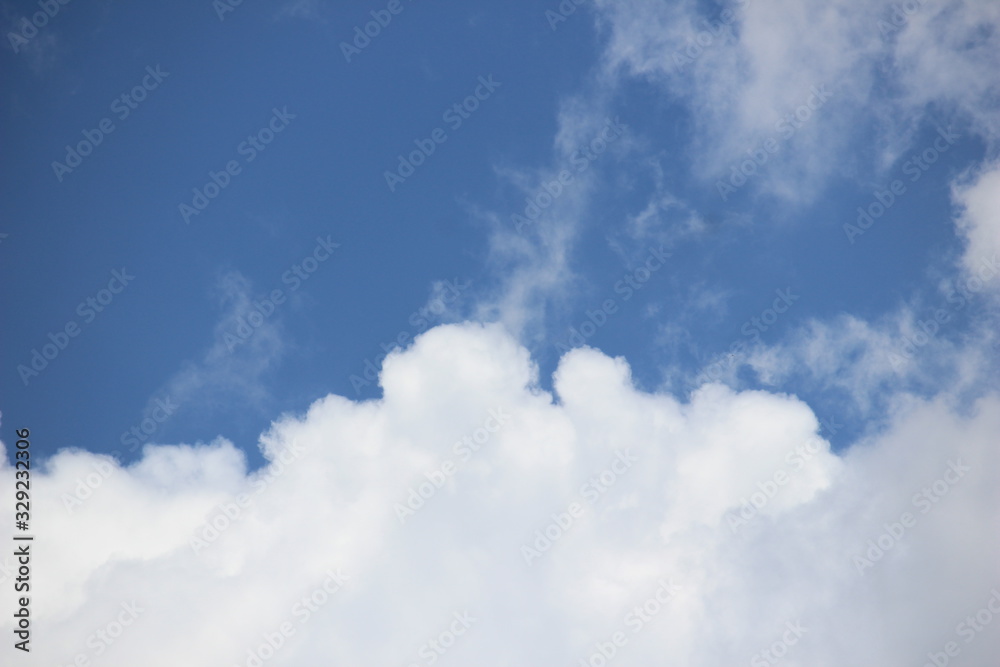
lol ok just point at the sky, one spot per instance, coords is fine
(523, 333)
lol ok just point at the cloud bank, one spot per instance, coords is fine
(468, 517)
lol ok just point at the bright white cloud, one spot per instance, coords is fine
(647, 488)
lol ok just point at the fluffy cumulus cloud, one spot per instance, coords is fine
(469, 517)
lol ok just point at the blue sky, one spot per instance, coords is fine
(631, 177)
(324, 175)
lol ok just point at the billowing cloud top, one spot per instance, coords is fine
(471, 518)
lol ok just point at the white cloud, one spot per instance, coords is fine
(738, 70)
(979, 222)
(740, 80)
(246, 344)
(949, 53)
(940, 347)
(662, 480)
(741, 69)
(531, 246)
